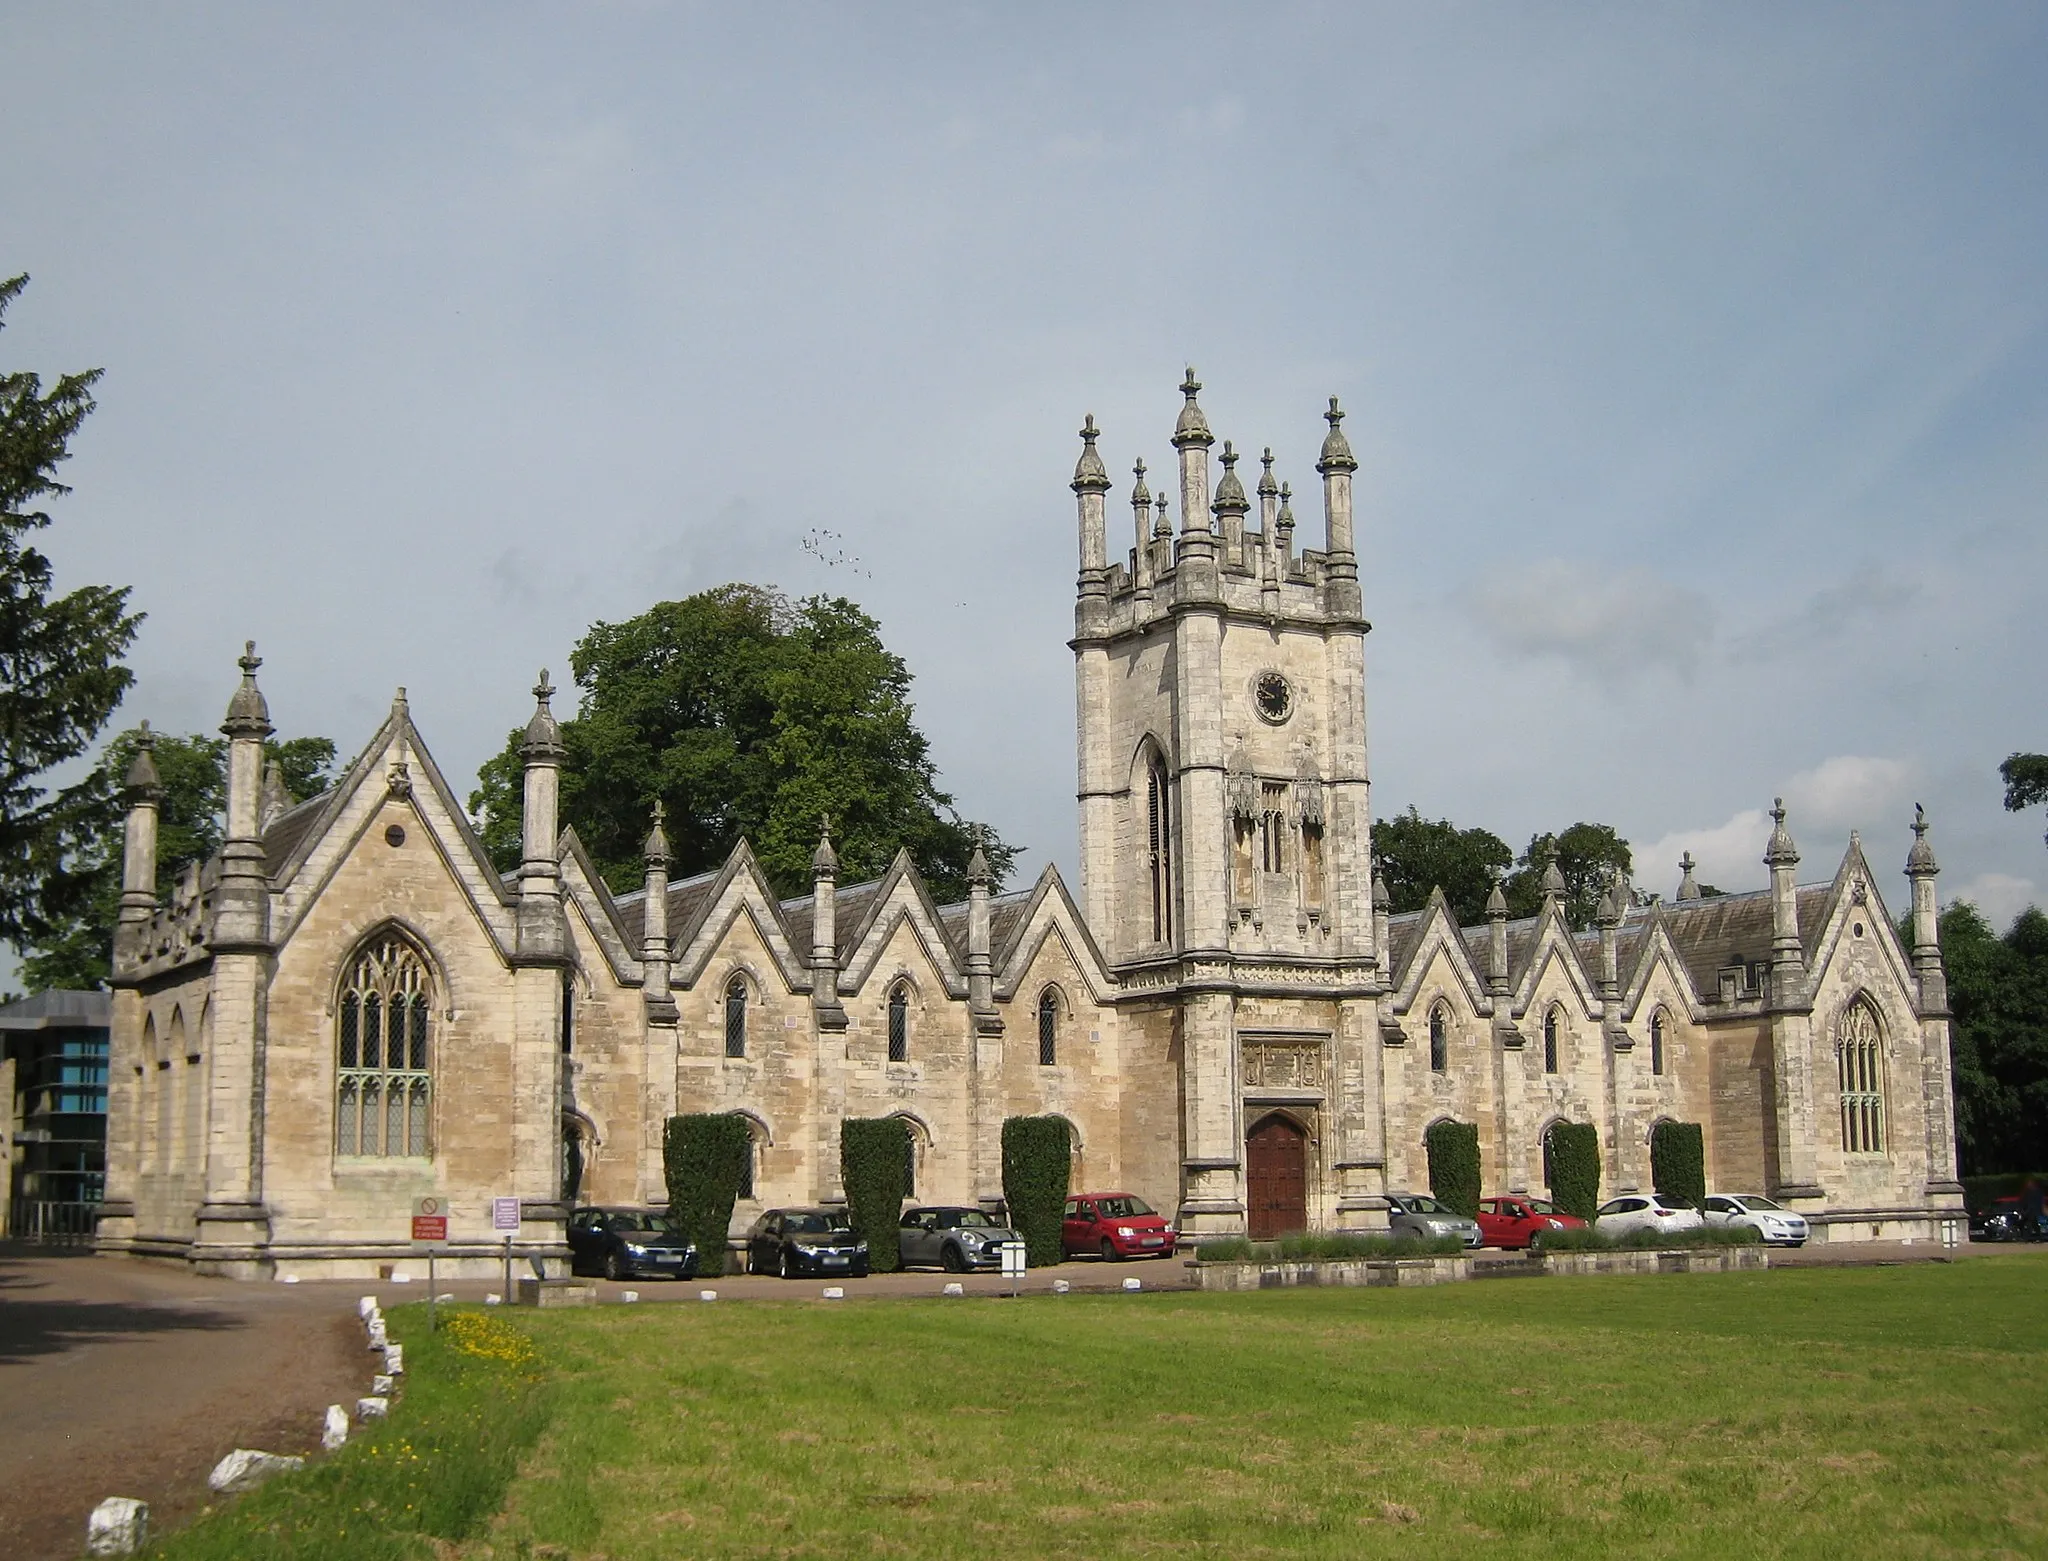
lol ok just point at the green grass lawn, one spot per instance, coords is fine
(1895, 1411)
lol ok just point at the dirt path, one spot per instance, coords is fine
(124, 1379)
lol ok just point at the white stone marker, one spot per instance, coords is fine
(381, 1385)
(1060, 1287)
(118, 1526)
(1134, 1284)
(707, 1295)
(394, 1359)
(244, 1469)
(629, 1295)
(365, 1306)
(378, 1337)
(956, 1288)
(375, 1408)
(834, 1293)
(334, 1430)
(492, 1298)
(401, 1279)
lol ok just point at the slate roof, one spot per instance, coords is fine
(685, 898)
(282, 838)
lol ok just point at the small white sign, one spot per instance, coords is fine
(1013, 1259)
(505, 1214)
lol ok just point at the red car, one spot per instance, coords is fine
(1115, 1225)
(1521, 1222)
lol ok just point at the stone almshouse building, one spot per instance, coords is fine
(349, 1008)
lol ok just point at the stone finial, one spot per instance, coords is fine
(1920, 861)
(1497, 904)
(1141, 496)
(824, 860)
(1193, 427)
(1381, 900)
(274, 800)
(1781, 852)
(1688, 887)
(543, 738)
(1553, 879)
(1613, 903)
(1162, 524)
(1336, 456)
(1266, 483)
(1230, 499)
(655, 848)
(1285, 521)
(978, 874)
(142, 781)
(248, 712)
(1089, 476)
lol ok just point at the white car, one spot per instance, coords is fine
(1779, 1227)
(1646, 1211)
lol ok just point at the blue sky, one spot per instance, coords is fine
(1696, 356)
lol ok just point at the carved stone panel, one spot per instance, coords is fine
(1269, 1064)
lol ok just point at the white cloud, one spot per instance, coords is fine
(2000, 896)
(1607, 623)
(1727, 855)
(1849, 792)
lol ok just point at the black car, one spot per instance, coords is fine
(624, 1243)
(793, 1242)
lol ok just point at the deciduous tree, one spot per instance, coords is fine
(1414, 854)
(2026, 780)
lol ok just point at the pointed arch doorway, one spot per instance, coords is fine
(1276, 1177)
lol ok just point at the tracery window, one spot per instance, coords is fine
(1048, 1028)
(1159, 846)
(1273, 827)
(1657, 1042)
(736, 1017)
(385, 1078)
(899, 1024)
(1859, 1063)
(1550, 1041)
(1439, 1041)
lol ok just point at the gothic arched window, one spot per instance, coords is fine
(1657, 1042)
(736, 1017)
(1159, 849)
(1550, 1027)
(1048, 1028)
(1859, 1064)
(899, 1023)
(384, 1087)
(1439, 1041)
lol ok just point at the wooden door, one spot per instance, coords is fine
(1276, 1176)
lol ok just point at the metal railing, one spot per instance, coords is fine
(58, 1224)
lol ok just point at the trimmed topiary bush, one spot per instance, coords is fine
(1678, 1161)
(1454, 1165)
(873, 1152)
(1037, 1153)
(706, 1157)
(1571, 1155)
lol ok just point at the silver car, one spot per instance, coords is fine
(1776, 1225)
(953, 1238)
(1417, 1214)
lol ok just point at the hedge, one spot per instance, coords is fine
(1593, 1239)
(1037, 1153)
(873, 1153)
(705, 1157)
(1980, 1192)
(1454, 1165)
(1678, 1160)
(1571, 1155)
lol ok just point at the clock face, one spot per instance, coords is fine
(1275, 698)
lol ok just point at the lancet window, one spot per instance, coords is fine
(736, 1017)
(1550, 1029)
(1439, 1041)
(899, 1023)
(1159, 849)
(1048, 1028)
(384, 1088)
(1273, 828)
(1859, 1065)
(1657, 1042)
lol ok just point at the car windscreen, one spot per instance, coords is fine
(814, 1224)
(1122, 1208)
(1542, 1206)
(1422, 1205)
(1755, 1203)
(658, 1224)
(971, 1219)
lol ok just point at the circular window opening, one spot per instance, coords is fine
(394, 836)
(1857, 928)
(1275, 699)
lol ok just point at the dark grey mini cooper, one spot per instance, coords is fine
(955, 1239)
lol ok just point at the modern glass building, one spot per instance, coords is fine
(53, 1062)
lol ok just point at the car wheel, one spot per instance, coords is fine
(788, 1268)
(953, 1262)
(613, 1269)
(1108, 1250)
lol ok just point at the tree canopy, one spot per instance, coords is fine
(2026, 780)
(1998, 994)
(1588, 856)
(1414, 854)
(73, 949)
(61, 671)
(745, 714)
